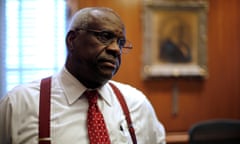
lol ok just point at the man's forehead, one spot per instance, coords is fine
(106, 21)
(105, 17)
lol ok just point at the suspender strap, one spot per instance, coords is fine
(126, 112)
(44, 112)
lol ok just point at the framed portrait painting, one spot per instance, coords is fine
(174, 38)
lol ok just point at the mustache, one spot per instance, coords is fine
(111, 59)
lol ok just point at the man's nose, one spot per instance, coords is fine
(114, 47)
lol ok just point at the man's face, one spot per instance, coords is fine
(95, 56)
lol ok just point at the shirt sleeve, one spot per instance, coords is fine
(5, 120)
(148, 128)
(156, 128)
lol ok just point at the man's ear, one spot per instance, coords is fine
(71, 35)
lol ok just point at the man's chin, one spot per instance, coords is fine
(107, 76)
(107, 71)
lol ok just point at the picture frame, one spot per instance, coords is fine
(175, 38)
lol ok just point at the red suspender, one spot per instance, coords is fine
(126, 112)
(44, 111)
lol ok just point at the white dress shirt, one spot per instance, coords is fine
(19, 113)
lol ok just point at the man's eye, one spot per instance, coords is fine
(105, 36)
(121, 42)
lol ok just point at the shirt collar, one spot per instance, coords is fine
(74, 89)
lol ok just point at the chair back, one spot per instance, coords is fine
(221, 131)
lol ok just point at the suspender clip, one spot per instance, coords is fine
(44, 139)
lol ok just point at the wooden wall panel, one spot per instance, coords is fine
(216, 97)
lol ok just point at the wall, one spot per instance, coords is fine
(216, 97)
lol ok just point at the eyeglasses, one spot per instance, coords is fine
(108, 37)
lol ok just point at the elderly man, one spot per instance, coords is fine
(81, 104)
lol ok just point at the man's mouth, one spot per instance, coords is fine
(108, 63)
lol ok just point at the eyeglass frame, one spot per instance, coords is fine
(97, 34)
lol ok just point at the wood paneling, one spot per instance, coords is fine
(216, 97)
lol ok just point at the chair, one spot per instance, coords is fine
(220, 131)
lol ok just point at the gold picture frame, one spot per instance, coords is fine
(175, 38)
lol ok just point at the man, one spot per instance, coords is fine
(95, 42)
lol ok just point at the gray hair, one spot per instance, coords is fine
(82, 17)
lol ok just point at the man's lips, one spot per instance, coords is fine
(108, 62)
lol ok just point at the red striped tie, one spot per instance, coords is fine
(97, 130)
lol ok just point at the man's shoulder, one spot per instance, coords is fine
(25, 90)
(23, 98)
(130, 93)
(123, 87)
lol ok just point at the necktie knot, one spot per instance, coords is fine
(92, 96)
